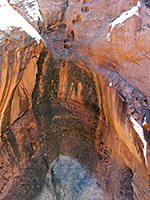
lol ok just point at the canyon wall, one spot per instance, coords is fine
(74, 93)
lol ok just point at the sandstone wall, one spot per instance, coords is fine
(74, 93)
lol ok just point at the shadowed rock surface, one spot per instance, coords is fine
(74, 93)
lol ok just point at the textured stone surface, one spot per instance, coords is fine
(74, 93)
(68, 180)
(127, 48)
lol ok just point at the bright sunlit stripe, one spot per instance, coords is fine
(124, 16)
(11, 19)
(139, 131)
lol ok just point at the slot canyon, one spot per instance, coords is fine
(74, 100)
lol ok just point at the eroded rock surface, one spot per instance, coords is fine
(74, 93)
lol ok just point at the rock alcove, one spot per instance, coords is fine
(74, 93)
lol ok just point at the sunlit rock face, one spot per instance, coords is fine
(114, 34)
(29, 9)
(74, 93)
(19, 41)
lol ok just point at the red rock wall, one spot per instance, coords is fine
(81, 93)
